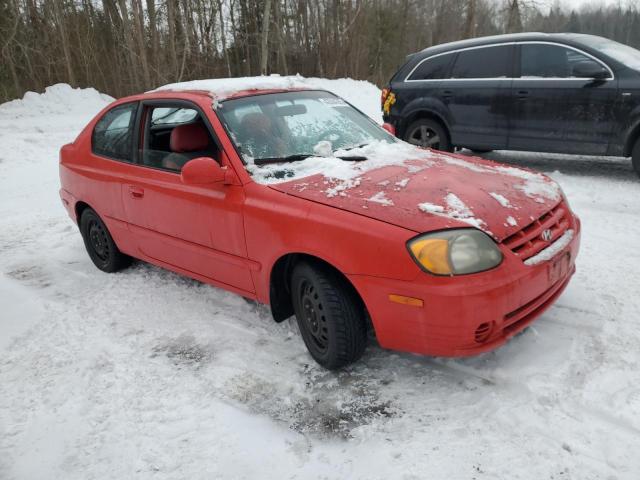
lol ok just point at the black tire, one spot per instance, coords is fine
(330, 315)
(428, 133)
(635, 157)
(100, 245)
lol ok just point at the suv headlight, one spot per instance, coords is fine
(455, 252)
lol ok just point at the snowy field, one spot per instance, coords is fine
(146, 374)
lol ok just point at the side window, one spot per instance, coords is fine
(113, 134)
(173, 136)
(539, 60)
(432, 68)
(486, 62)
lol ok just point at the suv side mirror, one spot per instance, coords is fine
(590, 69)
(202, 171)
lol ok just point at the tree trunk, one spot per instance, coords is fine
(264, 38)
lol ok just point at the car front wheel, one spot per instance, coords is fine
(100, 245)
(330, 315)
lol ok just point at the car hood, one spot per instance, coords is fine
(432, 192)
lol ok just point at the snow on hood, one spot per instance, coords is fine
(357, 92)
(418, 189)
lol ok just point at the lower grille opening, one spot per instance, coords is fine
(483, 332)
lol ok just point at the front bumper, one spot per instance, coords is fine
(470, 314)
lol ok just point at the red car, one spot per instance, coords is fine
(294, 198)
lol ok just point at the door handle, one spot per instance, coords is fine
(447, 94)
(136, 192)
(523, 93)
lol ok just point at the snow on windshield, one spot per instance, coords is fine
(282, 125)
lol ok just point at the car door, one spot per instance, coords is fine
(196, 228)
(553, 109)
(477, 96)
(108, 165)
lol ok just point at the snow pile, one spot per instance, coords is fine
(455, 209)
(501, 199)
(60, 107)
(381, 198)
(357, 92)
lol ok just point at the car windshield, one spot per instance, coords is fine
(291, 126)
(624, 54)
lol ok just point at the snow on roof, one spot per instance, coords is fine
(357, 92)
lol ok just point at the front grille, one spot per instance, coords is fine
(528, 242)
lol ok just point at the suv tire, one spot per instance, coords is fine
(635, 157)
(428, 133)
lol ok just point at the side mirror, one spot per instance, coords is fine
(203, 171)
(590, 69)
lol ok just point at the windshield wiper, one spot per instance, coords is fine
(354, 146)
(301, 156)
(290, 158)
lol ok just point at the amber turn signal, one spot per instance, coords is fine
(411, 301)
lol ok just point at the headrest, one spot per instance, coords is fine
(189, 138)
(256, 121)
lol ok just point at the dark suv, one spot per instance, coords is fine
(565, 93)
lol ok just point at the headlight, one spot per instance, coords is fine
(455, 252)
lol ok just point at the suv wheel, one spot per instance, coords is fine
(100, 245)
(330, 315)
(428, 133)
(635, 157)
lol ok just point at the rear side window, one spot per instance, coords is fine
(434, 68)
(113, 134)
(486, 62)
(539, 60)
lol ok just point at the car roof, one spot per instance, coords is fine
(568, 38)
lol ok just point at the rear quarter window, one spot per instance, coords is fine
(113, 134)
(434, 68)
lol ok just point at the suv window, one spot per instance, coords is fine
(434, 68)
(540, 60)
(113, 134)
(486, 62)
(173, 136)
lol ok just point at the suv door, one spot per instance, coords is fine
(477, 95)
(197, 228)
(553, 109)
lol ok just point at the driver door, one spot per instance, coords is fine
(195, 228)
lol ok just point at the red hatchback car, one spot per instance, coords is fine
(296, 199)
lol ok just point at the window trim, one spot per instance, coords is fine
(134, 144)
(140, 129)
(516, 44)
(476, 47)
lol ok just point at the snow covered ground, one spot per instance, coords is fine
(147, 374)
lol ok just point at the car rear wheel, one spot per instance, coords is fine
(428, 133)
(330, 315)
(635, 157)
(100, 245)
